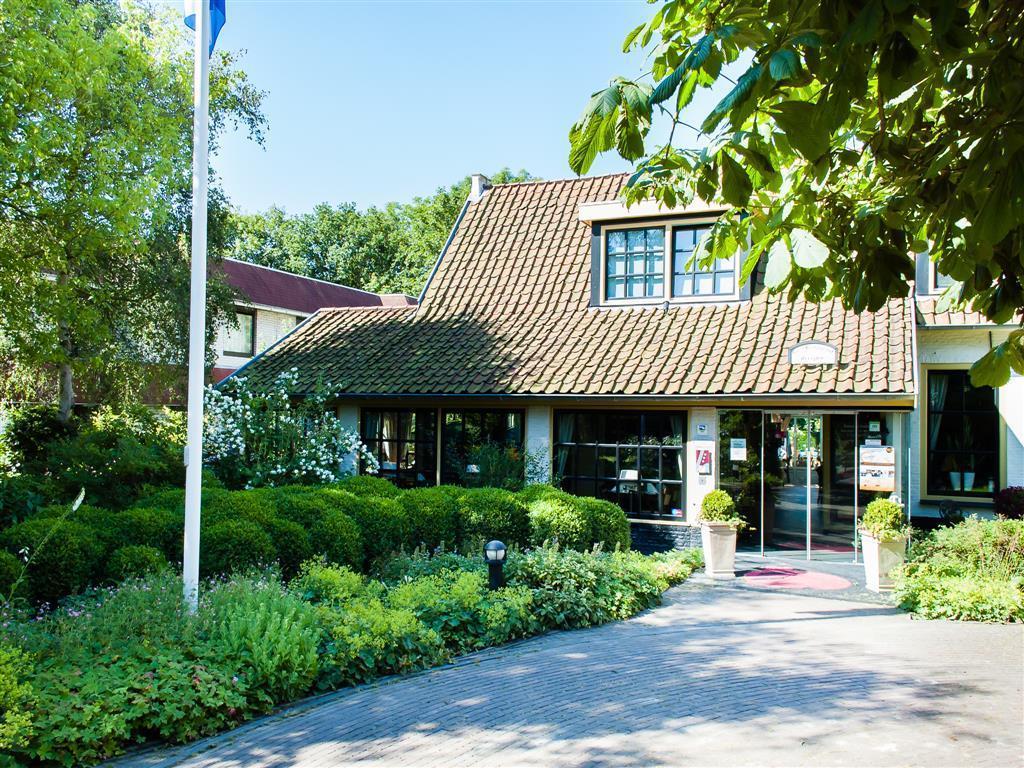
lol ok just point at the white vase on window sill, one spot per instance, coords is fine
(968, 481)
(954, 481)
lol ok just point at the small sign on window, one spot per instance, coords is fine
(737, 449)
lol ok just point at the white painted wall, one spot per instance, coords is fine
(349, 417)
(271, 325)
(538, 443)
(703, 435)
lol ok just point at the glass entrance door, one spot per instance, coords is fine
(809, 505)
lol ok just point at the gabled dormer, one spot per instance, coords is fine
(643, 255)
(929, 281)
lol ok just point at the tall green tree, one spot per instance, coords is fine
(95, 157)
(389, 249)
(851, 134)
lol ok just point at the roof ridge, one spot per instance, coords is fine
(564, 180)
(368, 307)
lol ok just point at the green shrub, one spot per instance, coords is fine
(272, 632)
(15, 697)
(321, 582)
(974, 598)
(28, 433)
(171, 499)
(66, 556)
(607, 522)
(22, 496)
(885, 520)
(555, 519)
(433, 517)
(152, 527)
(368, 485)
(336, 537)
(10, 572)
(219, 506)
(497, 466)
(234, 545)
(307, 506)
(540, 491)
(491, 513)
(134, 560)
(718, 507)
(368, 639)
(291, 545)
(384, 526)
(413, 565)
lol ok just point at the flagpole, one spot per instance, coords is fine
(197, 308)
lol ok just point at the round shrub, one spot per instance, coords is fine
(151, 527)
(134, 560)
(291, 543)
(68, 561)
(539, 491)
(234, 545)
(884, 520)
(336, 537)
(718, 507)
(492, 513)
(220, 505)
(559, 520)
(608, 524)
(433, 517)
(172, 499)
(368, 485)
(307, 506)
(384, 525)
(10, 571)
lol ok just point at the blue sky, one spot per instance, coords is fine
(370, 102)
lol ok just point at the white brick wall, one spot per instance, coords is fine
(270, 326)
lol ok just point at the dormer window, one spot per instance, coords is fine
(635, 263)
(940, 282)
(689, 278)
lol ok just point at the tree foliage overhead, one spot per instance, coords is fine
(95, 167)
(852, 134)
(389, 250)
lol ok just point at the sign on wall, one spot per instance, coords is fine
(877, 468)
(703, 462)
(813, 353)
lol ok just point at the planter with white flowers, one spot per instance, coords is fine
(883, 534)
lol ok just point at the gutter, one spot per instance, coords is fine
(896, 400)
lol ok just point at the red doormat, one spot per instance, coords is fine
(793, 578)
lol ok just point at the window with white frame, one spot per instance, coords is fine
(689, 277)
(635, 263)
(240, 339)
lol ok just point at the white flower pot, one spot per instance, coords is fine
(881, 558)
(968, 481)
(719, 542)
(954, 480)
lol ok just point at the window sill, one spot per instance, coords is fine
(239, 354)
(668, 303)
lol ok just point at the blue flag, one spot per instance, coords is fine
(217, 16)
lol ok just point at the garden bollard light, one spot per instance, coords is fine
(494, 554)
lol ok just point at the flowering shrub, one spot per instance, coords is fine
(265, 437)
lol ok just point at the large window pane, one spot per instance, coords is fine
(402, 441)
(466, 432)
(962, 436)
(240, 339)
(635, 263)
(690, 279)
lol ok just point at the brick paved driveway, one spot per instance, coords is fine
(717, 676)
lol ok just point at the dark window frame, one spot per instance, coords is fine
(425, 446)
(575, 480)
(943, 456)
(680, 270)
(251, 313)
(627, 275)
(449, 475)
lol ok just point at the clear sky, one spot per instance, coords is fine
(370, 102)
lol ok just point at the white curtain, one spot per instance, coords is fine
(938, 386)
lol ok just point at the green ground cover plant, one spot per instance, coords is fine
(128, 664)
(972, 571)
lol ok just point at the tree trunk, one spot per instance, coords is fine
(66, 393)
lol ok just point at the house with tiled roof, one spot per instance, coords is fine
(272, 302)
(561, 323)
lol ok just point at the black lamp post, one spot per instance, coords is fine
(494, 554)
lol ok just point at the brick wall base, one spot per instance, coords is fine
(654, 537)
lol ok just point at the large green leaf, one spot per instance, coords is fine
(736, 185)
(808, 251)
(801, 123)
(779, 265)
(740, 92)
(784, 65)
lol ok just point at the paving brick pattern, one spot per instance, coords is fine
(720, 675)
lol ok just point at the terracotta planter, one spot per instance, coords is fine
(719, 542)
(880, 559)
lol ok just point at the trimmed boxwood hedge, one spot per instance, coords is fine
(433, 517)
(134, 560)
(493, 513)
(385, 527)
(557, 520)
(70, 561)
(368, 485)
(608, 524)
(234, 545)
(336, 536)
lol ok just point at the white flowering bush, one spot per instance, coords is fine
(263, 437)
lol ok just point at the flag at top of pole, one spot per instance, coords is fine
(218, 15)
(206, 17)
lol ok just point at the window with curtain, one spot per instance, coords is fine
(962, 436)
(465, 431)
(403, 442)
(635, 263)
(691, 279)
(636, 459)
(240, 339)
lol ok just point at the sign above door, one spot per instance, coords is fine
(813, 353)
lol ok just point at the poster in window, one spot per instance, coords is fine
(737, 449)
(878, 468)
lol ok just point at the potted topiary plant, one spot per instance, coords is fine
(883, 534)
(719, 522)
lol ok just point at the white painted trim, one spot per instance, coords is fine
(617, 210)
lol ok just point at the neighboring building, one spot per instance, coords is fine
(273, 302)
(561, 322)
